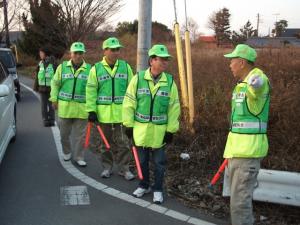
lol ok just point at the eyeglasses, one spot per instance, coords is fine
(78, 53)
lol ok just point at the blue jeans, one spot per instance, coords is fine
(159, 158)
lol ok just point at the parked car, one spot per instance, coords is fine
(8, 110)
(9, 62)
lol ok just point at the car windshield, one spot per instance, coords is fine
(7, 59)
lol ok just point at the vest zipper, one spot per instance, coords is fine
(74, 86)
(113, 89)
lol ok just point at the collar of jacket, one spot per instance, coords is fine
(83, 66)
(163, 77)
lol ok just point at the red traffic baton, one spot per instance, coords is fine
(87, 135)
(103, 136)
(219, 173)
(137, 163)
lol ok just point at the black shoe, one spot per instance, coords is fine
(46, 123)
(51, 123)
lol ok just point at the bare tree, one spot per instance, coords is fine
(84, 17)
(193, 27)
(14, 7)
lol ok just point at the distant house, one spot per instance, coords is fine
(291, 32)
(208, 41)
(277, 42)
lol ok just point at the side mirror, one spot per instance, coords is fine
(19, 65)
(4, 90)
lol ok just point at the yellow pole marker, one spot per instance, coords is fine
(181, 69)
(189, 77)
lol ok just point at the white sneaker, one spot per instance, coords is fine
(158, 197)
(127, 175)
(106, 173)
(67, 157)
(139, 192)
(81, 163)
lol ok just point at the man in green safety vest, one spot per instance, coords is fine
(151, 112)
(106, 87)
(44, 73)
(247, 141)
(68, 97)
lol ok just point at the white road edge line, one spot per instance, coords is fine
(68, 166)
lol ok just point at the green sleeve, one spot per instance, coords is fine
(55, 84)
(129, 103)
(91, 91)
(173, 111)
(130, 73)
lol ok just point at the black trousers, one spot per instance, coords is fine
(48, 113)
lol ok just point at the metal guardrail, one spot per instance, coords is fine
(273, 186)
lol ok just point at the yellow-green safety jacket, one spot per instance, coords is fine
(146, 132)
(249, 118)
(106, 89)
(68, 89)
(45, 74)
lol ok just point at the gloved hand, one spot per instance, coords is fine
(92, 117)
(255, 81)
(168, 138)
(129, 132)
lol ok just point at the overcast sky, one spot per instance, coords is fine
(199, 10)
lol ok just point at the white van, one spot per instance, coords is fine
(8, 110)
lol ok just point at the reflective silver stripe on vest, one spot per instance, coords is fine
(82, 76)
(119, 98)
(162, 93)
(67, 75)
(65, 95)
(104, 77)
(249, 125)
(121, 76)
(104, 98)
(159, 118)
(141, 116)
(81, 97)
(143, 91)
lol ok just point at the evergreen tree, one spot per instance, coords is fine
(46, 28)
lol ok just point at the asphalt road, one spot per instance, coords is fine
(35, 189)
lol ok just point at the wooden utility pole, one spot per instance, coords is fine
(6, 23)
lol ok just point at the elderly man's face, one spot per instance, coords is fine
(237, 65)
(159, 64)
(112, 54)
(77, 57)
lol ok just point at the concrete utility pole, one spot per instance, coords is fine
(257, 25)
(144, 33)
(6, 23)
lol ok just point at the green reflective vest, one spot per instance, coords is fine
(111, 89)
(45, 74)
(73, 87)
(152, 108)
(242, 120)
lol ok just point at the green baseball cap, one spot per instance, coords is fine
(77, 47)
(111, 42)
(243, 51)
(159, 50)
